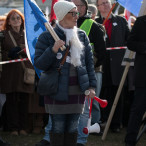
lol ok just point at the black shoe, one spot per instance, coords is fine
(79, 144)
(43, 142)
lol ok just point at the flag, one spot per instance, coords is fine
(52, 15)
(43, 1)
(117, 10)
(128, 18)
(34, 26)
(127, 14)
(131, 5)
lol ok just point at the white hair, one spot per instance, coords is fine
(76, 49)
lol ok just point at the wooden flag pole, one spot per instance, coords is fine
(53, 33)
(117, 95)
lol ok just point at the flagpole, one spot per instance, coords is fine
(117, 95)
(54, 35)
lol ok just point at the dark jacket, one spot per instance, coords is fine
(12, 78)
(137, 43)
(45, 59)
(96, 36)
(112, 68)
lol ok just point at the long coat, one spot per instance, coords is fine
(112, 66)
(137, 43)
(13, 73)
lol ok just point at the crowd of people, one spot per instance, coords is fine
(85, 32)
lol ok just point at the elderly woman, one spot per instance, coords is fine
(12, 78)
(77, 73)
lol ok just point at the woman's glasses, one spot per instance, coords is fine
(17, 18)
(74, 14)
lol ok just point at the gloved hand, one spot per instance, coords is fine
(13, 53)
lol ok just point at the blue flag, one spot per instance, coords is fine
(132, 6)
(34, 26)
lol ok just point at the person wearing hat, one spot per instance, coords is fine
(96, 37)
(77, 73)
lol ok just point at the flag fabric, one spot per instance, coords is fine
(117, 10)
(52, 15)
(131, 5)
(43, 1)
(127, 15)
(34, 26)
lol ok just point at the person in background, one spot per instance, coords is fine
(96, 34)
(128, 99)
(12, 77)
(137, 43)
(2, 142)
(93, 10)
(117, 32)
(77, 73)
(2, 20)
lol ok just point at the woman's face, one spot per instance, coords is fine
(70, 19)
(15, 20)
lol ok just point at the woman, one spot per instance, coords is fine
(12, 83)
(77, 73)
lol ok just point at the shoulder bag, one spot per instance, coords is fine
(48, 83)
(29, 74)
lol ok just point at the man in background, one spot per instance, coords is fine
(137, 43)
(117, 32)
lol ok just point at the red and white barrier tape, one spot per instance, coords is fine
(16, 60)
(116, 48)
(25, 59)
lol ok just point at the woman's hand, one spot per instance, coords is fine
(91, 93)
(57, 45)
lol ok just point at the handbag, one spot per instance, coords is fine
(48, 83)
(49, 80)
(29, 74)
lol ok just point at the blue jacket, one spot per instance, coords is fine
(45, 59)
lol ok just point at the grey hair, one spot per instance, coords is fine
(92, 8)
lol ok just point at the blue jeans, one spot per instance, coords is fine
(96, 115)
(82, 138)
(47, 129)
(68, 122)
(62, 123)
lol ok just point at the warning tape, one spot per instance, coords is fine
(16, 60)
(25, 59)
(116, 48)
